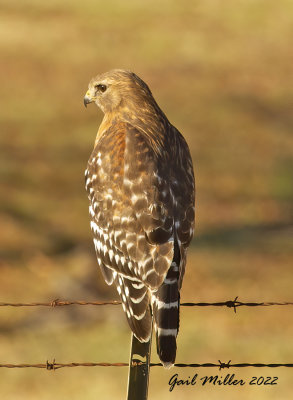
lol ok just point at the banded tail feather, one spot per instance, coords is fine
(165, 304)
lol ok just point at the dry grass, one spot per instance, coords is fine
(222, 72)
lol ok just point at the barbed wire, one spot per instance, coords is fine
(221, 365)
(229, 303)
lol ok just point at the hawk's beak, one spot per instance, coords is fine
(87, 98)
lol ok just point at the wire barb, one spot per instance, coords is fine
(224, 365)
(50, 366)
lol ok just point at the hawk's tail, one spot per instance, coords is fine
(165, 304)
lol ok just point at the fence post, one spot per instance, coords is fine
(138, 378)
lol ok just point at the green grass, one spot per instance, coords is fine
(222, 72)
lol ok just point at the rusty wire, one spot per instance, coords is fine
(229, 303)
(52, 366)
(60, 303)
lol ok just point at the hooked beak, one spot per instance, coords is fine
(87, 98)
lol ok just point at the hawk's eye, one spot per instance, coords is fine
(101, 88)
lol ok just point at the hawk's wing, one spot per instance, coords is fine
(130, 205)
(137, 199)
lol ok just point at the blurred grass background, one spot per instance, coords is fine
(222, 72)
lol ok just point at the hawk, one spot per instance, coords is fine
(140, 185)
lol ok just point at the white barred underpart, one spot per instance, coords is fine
(131, 290)
(129, 302)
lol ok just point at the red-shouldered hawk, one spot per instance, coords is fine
(140, 185)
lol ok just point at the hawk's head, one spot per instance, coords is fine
(117, 88)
